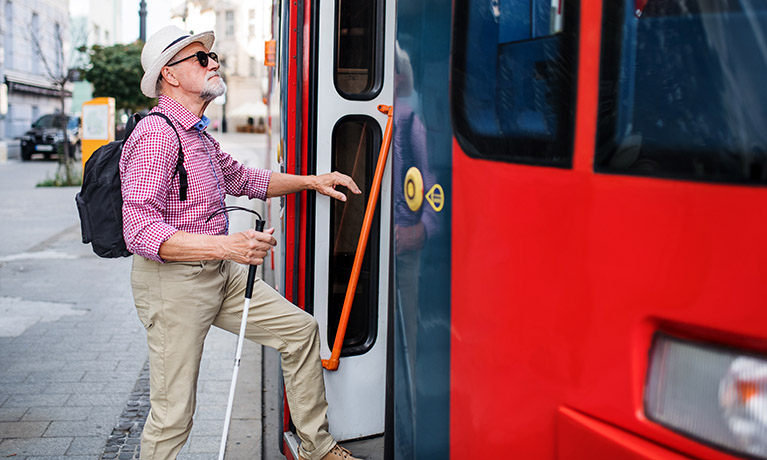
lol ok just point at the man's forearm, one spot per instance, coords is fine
(283, 184)
(183, 246)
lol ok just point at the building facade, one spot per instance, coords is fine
(35, 39)
(94, 22)
(241, 28)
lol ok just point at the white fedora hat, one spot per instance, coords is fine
(161, 47)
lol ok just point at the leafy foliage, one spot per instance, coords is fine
(115, 71)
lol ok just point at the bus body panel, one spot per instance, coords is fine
(567, 277)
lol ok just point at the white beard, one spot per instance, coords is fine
(212, 88)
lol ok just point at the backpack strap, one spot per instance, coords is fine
(132, 122)
(183, 182)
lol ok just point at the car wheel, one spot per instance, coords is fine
(26, 155)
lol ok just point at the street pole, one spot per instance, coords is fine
(142, 21)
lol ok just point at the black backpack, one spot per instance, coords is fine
(100, 199)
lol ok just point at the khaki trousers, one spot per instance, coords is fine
(177, 302)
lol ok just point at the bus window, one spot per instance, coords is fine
(513, 79)
(355, 144)
(358, 68)
(682, 92)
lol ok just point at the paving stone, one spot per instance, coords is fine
(23, 388)
(102, 365)
(34, 446)
(204, 444)
(208, 427)
(37, 366)
(62, 376)
(59, 429)
(55, 400)
(210, 412)
(22, 429)
(105, 414)
(76, 387)
(97, 399)
(57, 413)
(12, 414)
(12, 377)
(65, 457)
(87, 445)
(102, 376)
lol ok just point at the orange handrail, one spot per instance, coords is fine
(332, 363)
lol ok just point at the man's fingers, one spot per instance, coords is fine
(349, 183)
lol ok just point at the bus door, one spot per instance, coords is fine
(354, 49)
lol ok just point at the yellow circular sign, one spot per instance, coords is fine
(414, 188)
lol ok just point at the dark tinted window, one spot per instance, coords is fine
(358, 54)
(356, 142)
(682, 90)
(50, 121)
(513, 79)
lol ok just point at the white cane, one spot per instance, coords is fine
(248, 293)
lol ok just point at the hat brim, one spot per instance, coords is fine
(149, 80)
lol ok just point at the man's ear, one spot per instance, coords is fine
(167, 75)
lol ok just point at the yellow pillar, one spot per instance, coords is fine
(98, 125)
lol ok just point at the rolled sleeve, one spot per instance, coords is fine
(146, 169)
(241, 180)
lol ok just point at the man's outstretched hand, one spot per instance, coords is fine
(326, 184)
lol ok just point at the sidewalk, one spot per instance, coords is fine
(72, 351)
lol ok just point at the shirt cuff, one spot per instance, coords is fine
(152, 237)
(260, 183)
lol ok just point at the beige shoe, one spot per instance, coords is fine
(336, 453)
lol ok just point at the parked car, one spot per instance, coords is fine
(46, 136)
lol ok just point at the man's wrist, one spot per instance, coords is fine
(312, 183)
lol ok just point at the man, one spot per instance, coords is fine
(185, 274)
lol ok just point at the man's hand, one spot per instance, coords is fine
(326, 184)
(249, 247)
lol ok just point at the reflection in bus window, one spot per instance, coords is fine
(682, 90)
(355, 144)
(358, 49)
(515, 101)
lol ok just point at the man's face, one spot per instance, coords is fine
(196, 79)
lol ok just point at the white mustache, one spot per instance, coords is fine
(211, 74)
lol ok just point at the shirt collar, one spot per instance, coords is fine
(185, 118)
(202, 124)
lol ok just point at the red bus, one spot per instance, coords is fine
(568, 250)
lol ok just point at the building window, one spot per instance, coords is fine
(229, 30)
(359, 48)
(252, 67)
(513, 80)
(682, 91)
(355, 144)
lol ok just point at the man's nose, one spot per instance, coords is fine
(213, 64)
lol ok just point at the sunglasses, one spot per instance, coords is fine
(201, 56)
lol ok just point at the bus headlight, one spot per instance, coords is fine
(715, 395)
(743, 397)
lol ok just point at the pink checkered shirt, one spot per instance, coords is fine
(152, 210)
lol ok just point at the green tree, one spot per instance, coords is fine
(115, 71)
